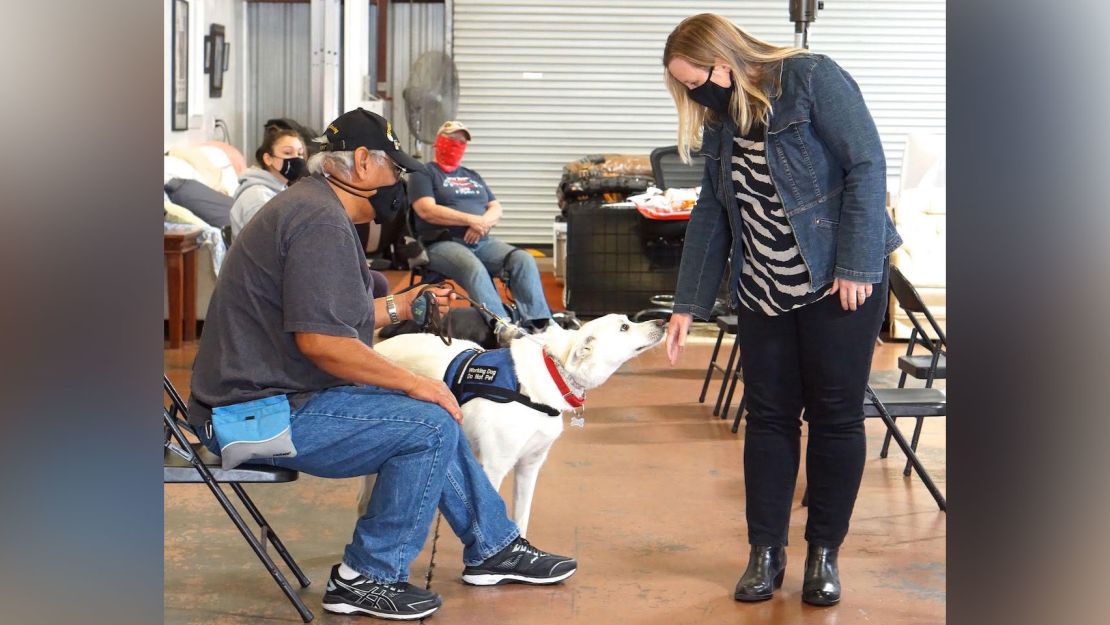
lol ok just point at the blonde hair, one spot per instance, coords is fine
(702, 40)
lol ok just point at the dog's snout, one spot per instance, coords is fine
(658, 322)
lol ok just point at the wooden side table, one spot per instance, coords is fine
(181, 283)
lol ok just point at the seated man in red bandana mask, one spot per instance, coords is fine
(455, 210)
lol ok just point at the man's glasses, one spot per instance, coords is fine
(397, 169)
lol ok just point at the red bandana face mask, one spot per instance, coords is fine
(449, 152)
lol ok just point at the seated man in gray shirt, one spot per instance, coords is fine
(291, 316)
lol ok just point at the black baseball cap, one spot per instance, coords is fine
(361, 128)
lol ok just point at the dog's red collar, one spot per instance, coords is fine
(552, 368)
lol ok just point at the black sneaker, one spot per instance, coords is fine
(520, 562)
(399, 601)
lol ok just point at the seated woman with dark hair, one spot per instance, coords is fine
(279, 161)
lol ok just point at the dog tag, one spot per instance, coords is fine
(578, 422)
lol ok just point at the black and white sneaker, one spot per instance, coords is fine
(399, 601)
(521, 563)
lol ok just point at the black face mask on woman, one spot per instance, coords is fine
(293, 168)
(711, 95)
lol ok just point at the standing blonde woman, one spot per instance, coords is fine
(793, 201)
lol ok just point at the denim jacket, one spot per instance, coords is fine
(829, 171)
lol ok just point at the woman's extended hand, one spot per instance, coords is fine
(852, 294)
(677, 329)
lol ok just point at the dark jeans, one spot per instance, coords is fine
(379, 284)
(815, 358)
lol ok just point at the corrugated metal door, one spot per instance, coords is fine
(415, 28)
(279, 54)
(544, 83)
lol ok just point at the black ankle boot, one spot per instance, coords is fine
(821, 584)
(766, 568)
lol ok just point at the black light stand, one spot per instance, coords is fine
(802, 12)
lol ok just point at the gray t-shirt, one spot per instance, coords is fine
(297, 266)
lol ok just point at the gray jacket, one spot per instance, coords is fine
(256, 187)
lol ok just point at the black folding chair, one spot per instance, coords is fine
(192, 463)
(929, 366)
(726, 324)
(669, 171)
(890, 403)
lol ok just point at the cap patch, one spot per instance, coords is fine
(389, 135)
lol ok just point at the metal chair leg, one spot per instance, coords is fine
(728, 375)
(886, 442)
(731, 390)
(712, 364)
(905, 446)
(252, 540)
(271, 534)
(739, 412)
(886, 437)
(913, 443)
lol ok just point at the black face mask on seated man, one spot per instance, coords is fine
(384, 201)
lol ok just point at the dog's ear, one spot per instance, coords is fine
(582, 350)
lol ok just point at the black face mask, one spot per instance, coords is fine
(711, 95)
(293, 168)
(384, 201)
(387, 203)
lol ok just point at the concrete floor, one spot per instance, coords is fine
(649, 496)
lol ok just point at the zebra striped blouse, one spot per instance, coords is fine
(774, 278)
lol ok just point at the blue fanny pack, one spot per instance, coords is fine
(252, 430)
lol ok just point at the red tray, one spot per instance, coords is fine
(668, 216)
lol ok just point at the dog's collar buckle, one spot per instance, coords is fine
(553, 368)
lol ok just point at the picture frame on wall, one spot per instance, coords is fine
(215, 59)
(179, 68)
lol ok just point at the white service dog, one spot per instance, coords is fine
(515, 436)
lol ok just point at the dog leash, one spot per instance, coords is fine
(440, 325)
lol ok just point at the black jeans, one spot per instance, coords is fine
(815, 358)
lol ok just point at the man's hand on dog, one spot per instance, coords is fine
(436, 392)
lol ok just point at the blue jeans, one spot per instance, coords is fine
(472, 265)
(422, 461)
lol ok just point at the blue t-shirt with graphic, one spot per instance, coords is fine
(463, 190)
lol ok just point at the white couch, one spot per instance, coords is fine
(218, 166)
(919, 212)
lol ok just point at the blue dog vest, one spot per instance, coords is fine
(489, 375)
